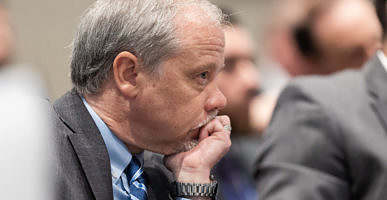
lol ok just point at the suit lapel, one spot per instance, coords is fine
(88, 144)
(376, 79)
(150, 184)
(158, 177)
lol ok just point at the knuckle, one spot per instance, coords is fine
(224, 119)
(219, 123)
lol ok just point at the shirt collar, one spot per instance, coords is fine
(119, 155)
(382, 58)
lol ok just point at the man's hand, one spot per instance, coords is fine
(194, 166)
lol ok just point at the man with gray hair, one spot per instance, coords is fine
(143, 74)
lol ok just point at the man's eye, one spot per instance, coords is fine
(204, 75)
(203, 78)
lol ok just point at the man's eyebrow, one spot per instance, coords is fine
(209, 66)
(214, 67)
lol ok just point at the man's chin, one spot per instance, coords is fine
(191, 143)
(187, 146)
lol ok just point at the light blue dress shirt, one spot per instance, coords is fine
(119, 156)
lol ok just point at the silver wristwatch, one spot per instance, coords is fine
(195, 189)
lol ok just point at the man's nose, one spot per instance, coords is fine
(216, 100)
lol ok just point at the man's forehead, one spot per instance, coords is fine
(194, 21)
(193, 33)
(201, 37)
(195, 11)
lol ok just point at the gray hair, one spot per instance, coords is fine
(143, 27)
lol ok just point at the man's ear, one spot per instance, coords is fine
(125, 69)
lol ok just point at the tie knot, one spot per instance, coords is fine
(137, 183)
(134, 169)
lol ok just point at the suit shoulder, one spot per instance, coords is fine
(332, 90)
(57, 111)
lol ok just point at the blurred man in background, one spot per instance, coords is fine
(25, 150)
(6, 38)
(239, 82)
(323, 37)
(327, 138)
(317, 37)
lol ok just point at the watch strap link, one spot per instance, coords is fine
(195, 189)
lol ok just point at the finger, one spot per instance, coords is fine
(224, 119)
(226, 123)
(214, 126)
(217, 131)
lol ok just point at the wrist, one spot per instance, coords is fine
(193, 176)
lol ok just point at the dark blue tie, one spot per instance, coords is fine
(137, 183)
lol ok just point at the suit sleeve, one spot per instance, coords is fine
(301, 157)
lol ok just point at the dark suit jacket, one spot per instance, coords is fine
(83, 166)
(328, 139)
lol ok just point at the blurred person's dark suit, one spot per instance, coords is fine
(328, 137)
(83, 154)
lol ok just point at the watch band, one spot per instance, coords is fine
(195, 189)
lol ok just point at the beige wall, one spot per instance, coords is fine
(45, 28)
